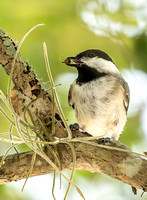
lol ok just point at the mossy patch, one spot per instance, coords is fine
(2, 32)
(11, 51)
(7, 41)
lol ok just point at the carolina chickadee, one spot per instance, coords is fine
(99, 95)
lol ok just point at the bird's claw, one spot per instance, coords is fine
(104, 140)
(74, 126)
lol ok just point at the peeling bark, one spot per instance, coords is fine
(126, 167)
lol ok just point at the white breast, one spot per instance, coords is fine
(99, 107)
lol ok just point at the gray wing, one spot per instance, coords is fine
(126, 99)
(70, 102)
(126, 96)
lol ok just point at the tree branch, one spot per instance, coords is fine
(126, 167)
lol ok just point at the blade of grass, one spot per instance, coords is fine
(6, 116)
(53, 187)
(53, 114)
(10, 141)
(30, 170)
(106, 147)
(11, 136)
(4, 99)
(73, 169)
(5, 155)
(55, 92)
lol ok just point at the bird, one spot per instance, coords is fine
(99, 95)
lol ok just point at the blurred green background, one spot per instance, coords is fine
(118, 27)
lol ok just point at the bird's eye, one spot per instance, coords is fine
(90, 55)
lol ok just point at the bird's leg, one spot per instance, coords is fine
(104, 140)
(74, 126)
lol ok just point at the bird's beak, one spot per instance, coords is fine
(72, 61)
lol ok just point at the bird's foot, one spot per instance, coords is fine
(74, 127)
(104, 140)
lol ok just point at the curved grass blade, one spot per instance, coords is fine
(30, 170)
(5, 155)
(55, 92)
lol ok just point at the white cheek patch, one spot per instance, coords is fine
(101, 64)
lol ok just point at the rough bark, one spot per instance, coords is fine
(127, 167)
